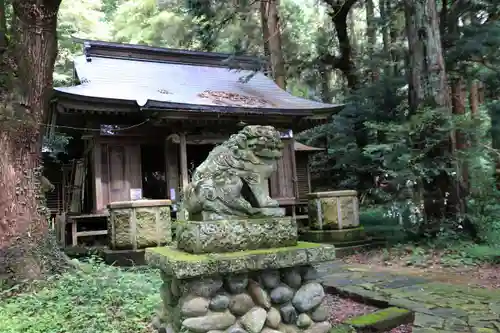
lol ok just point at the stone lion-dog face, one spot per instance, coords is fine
(233, 181)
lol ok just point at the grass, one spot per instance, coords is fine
(97, 299)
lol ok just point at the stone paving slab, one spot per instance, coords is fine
(439, 307)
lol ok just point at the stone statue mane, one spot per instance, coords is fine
(233, 181)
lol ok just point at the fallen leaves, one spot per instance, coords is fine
(431, 265)
(233, 99)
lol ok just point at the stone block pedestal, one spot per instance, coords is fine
(333, 210)
(253, 291)
(139, 224)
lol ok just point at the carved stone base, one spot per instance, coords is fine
(268, 212)
(235, 235)
(260, 291)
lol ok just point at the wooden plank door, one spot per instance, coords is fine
(120, 171)
(282, 182)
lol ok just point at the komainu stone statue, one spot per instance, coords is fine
(233, 181)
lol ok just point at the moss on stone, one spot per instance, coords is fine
(184, 265)
(372, 319)
(483, 330)
(185, 256)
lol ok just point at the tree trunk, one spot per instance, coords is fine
(428, 86)
(265, 27)
(460, 186)
(371, 33)
(326, 94)
(474, 99)
(3, 27)
(428, 81)
(26, 245)
(449, 23)
(384, 17)
(270, 15)
(353, 37)
(339, 10)
(396, 55)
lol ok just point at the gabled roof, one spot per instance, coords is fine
(159, 78)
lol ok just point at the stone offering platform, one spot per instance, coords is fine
(438, 307)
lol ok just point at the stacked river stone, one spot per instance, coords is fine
(240, 275)
(286, 300)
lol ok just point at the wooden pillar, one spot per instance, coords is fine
(294, 177)
(172, 169)
(294, 169)
(183, 169)
(96, 166)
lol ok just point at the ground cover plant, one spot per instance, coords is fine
(97, 298)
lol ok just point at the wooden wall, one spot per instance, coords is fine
(303, 176)
(117, 170)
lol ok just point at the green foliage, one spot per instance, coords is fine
(142, 22)
(83, 19)
(56, 144)
(109, 8)
(307, 35)
(98, 298)
(378, 222)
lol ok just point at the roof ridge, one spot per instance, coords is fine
(114, 50)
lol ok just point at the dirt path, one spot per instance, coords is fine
(487, 276)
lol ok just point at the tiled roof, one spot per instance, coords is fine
(175, 84)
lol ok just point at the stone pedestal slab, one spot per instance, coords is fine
(333, 210)
(182, 265)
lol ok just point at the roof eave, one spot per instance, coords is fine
(83, 98)
(309, 113)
